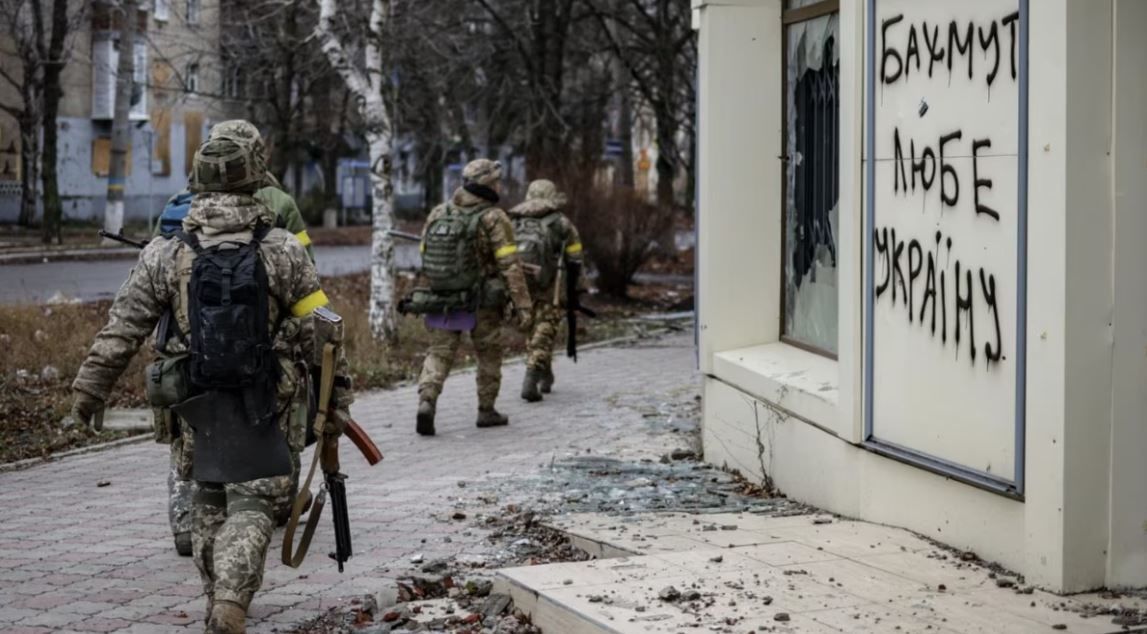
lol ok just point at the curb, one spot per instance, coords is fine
(608, 343)
(70, 255)
(26, 463)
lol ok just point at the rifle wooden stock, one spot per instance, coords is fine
(363, 442)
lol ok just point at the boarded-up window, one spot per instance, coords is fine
(161, 157)
(193, 136)
(9, 151)
(102, 157)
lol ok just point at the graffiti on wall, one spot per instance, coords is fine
(934, 278)
(944, 233)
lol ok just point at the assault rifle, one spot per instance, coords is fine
(328, 327)
(569, 272)
(119, 237)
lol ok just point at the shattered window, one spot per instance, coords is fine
(812, 181)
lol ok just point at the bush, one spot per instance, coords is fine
(620, 230)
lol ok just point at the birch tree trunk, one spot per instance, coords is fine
(366, 85)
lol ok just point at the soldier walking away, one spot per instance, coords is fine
(471, 262)
(240, 293)
(551, 253)
(287, 216)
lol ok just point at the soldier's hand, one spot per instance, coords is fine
(525, 320)
(88, 410)
(337, 422)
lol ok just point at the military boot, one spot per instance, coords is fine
(489, 417)
(227, 618)
(183, 544)
(546, 382)
(425, 426)
(530, 385)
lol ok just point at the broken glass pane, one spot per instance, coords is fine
(812, 181)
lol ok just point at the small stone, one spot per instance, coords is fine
(391, 617)
(1005, 583)
(40, 336)
(458, 515)
(567, 582)
(968, 555)
(103, 483)
(767, 600)
(942, 588)
(50, 373)
(669, 593)
(1059, 626)
(640, 608)
(461, 484)
(718, 559)
(822, 520)
(447, 540)
(728, 527)
(692, 595)
(1028, 590)
(783, 617)
(417, 559)
(596, 598)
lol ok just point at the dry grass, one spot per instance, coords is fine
(41, 347)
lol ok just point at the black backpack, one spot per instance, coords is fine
(228, 311)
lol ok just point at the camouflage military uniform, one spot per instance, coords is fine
(288, 217)
(231, 523)
(497, 255)
(543, 199)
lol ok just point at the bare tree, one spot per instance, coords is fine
(654, 41)
(33, 68)
(365, 81)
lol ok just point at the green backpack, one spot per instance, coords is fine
(539, 248)
(450, 263)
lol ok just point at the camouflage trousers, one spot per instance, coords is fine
(488, 348)
(540, 343)
(181, 489)
(231, 531)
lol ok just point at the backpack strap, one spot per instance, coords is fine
(259, 235)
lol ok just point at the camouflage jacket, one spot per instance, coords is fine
(159, 279)
(497, 251)
(287, 214)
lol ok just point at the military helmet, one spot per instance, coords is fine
(543, 189)
(227, 164)
(482, 172)
(243, 130)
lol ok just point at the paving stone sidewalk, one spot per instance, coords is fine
(77, 556)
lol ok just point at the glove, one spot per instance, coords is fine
(88, 410)
(525, 320)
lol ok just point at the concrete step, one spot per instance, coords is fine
(744, 573)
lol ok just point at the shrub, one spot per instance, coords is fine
(621, 231)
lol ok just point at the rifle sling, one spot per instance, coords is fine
(295, 558)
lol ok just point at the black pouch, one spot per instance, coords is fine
(494, 293)
(231, 445)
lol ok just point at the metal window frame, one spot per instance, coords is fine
(789, 17)
(1014, 487)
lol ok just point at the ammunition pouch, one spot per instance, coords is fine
(495, 295)
(168, 381)
(423, 301)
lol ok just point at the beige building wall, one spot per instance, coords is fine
(777, 412)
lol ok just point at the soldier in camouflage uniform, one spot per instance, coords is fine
(543, 210)
(287, 216)
(231, 523)
(497, 257)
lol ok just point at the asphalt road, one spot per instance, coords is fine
(100, 279)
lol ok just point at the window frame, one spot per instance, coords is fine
(789, 17)
(191, 78)
(192, 11)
